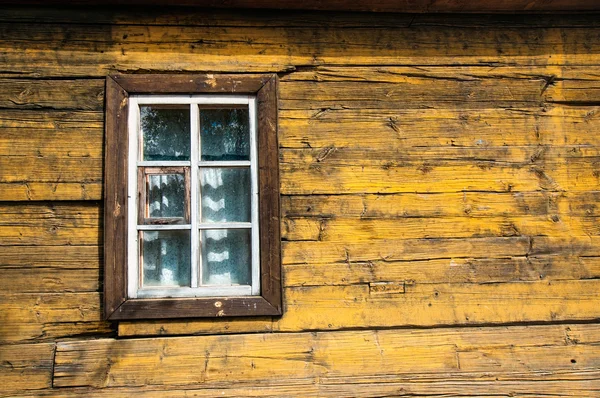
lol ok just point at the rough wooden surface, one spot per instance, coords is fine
(437, 172)
(414, 359)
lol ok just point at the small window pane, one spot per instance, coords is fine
(225, 134)
(166, 133)
(166, 195)
(225, 194)
(226, 257)
(166, 258)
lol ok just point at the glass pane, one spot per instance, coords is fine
(166, 195)
(166, 132)
(166, 258)
(226, 257)
(225, 194)
(225, 134)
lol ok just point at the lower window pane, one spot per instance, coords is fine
(166, 258)
(226, 257)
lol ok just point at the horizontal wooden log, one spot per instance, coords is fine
(50, 224)
(412, 6)
(472, 204)
(393, 129)
(48, 280)
(43, 191)
(214, 18)
(577, 383)
(413, 92)
(429, 177)
(196, 326)
(451, 270)
(83, 94)
(299, 18)
(338, 307)
(305, 252)
(50, 269)
(25, 367)
(93, 50)
(392, 355)
(351, 230)
(48, 316)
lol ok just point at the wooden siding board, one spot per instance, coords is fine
(93, 50)
(25, 367)
(360, 355)
(33, 317)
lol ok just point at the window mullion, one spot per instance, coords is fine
(254, 197)
(132, 208)
(195, 208)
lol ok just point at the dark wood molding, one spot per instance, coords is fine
(170, 308)
(269, 207)
(115, 197)
(409, 6)
(192, 83)
(116, 304)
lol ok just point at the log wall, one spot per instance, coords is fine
(440, 180)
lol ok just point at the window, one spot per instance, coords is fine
(191, 197)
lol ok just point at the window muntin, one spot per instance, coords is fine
(209, 247)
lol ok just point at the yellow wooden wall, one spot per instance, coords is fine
(440, 180)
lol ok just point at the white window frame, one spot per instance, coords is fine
(195, 102)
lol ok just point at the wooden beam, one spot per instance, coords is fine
(412, 6)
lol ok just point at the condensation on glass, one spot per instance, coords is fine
(193, 184)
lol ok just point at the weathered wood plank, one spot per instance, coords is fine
(428, 177)
(55, 191)
(81, 94)
(50, 224)
(48, 280)
(25, 367)
(306, 252)
(472, 204)
(352, 230)
(450, 270)
(93, 50)
(196, 326)
(336, 307)
(299, 18)
(575, 383)
(48, 316)
(49, 269)
(409, 354)
(392, 129)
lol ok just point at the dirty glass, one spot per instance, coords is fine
(226, 257)
(224, 134)
(166, 258)
(225, 194)
(165, 132)
(166, 195)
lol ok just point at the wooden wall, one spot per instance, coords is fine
(441, 194)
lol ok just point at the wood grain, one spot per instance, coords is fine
(333, 357)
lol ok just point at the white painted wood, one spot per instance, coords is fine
(225, 225)
(217, 99)
(195, 148)
(225, 163)
(133, 259)
(203, 291)
(163, 163)
(165, 227)
(135, 288)
(254, 198)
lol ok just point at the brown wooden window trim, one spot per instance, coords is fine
(117, 306)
